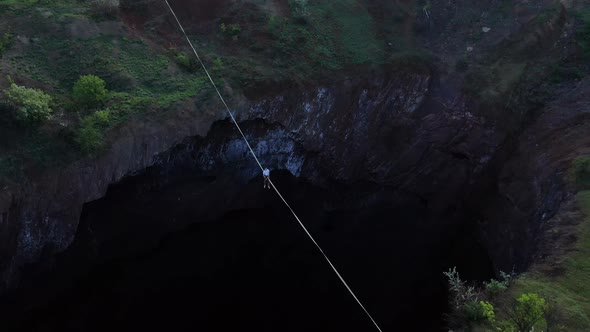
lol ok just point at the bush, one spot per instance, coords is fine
(528, 311)
(487, 310)
(102, 118)
(217, 65)
(90, 136)
(232, 30)
(474, 311)
(461, 293)
(5, 42)
(31, 105)
(90, 139)
(185, 61)
(464, 301)
(495, 287)
(90, 91)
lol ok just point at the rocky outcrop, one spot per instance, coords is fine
(415, 132)
(531, 184)
(40, 217)
(383, 127)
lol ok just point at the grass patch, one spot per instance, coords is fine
(352, 26)
(7, 5)
(568, 294)
(323, 37)
(127, 66)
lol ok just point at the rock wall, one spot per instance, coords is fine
(40, 217)
(411, 131)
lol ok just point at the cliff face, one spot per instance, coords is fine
(411, 131)
(40, 217)
(346, 121)
(414, 131)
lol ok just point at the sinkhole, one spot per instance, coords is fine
(176, 248)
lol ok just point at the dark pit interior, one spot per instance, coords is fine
(182, 255)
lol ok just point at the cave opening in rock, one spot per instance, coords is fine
(178, 254)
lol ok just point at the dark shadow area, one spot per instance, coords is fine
(150, 257)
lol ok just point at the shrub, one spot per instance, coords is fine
(5, 42)
(31, 105)
(528, 311)
(495, 287)
(90, 135)
(103, 117)
(217, 64)
(464, 301)
(232, 30)
(90, 91)
(185, 61)
(507, 278)
(487, 310)
(89, 139)
(461, 293)
(474, 311)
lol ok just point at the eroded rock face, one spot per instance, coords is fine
(40, 217)
(415, 132)
(345, 131)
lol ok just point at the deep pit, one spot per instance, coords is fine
(178, 247)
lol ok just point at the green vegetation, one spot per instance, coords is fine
(568, 293)
(323, 36)
(487, 310)
(184, 61)
(31, 106)
(90, 136)
(476, 311)
(556, 302)
(137, 74)
(89, 91)
(495, 287)
(5, 42)
(231, 30)
(466, 300)
(528, 313)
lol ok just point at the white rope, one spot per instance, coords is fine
(214, 85)
(262, 168)
(326, 257)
